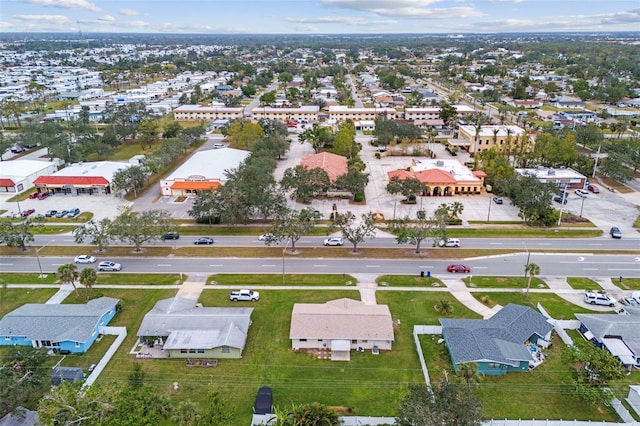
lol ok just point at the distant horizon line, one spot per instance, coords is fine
(332, 34)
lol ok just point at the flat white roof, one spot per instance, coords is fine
(549, 173)
(104, 169)
(198, 108)
(210, 163)
(17, 170)
(455, 167)
(303, 108)
(486, 131)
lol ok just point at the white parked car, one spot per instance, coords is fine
(582, 193)
(333, 241)
(598, 298)
(84, 258)
(266, 237)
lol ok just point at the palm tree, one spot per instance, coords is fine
(469, 373)
(531, 270)
(88, 278)
(68, 274)
(444, 307)
(186, 414)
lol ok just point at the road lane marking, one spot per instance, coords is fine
(320, 266)
(163, 264)
(593, 244)
(621, 269)
(216, 265)
(6, 264)
(495, 244)
(480, 267)
(269, 266)
(372, 266)
(545, 244)
(589, 269)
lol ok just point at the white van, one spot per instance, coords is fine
(219, 145)
(598, 298)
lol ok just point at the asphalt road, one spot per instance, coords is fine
(523, 244)
(577, 265)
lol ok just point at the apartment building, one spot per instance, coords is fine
(502, 137)
(339, 113)
(200, 113)
(308, 113)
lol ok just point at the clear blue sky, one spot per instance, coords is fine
(319, 16)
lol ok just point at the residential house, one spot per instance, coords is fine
(568, 103)
(188, 330)
(527, 103)
(335, 165)
(70, 328)
(340, 326)
(619, 334)
(442, 177)
(92, 178)
(60, 375)
(503, 343)
(561, 177)
(203, 171)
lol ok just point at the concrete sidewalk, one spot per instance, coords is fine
(459, 290)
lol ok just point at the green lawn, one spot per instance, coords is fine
(583, 283)
(627, 283)
(252, 280)
(13, 298)
(408, 281)
(503, 282)
(543, 393)
(104, 278)
(556, 306)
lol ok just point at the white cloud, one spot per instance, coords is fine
(66, 4)
(128, 12)
(106, 19)
(6, 25)
(506, 1)
(406, 9)
(138, 24)
(51, 19)
(345, 20)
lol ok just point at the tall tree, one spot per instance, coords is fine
(88, 278)
(130, 179)
(20, 232)
(354, 181)
(408, 231)
(137, 228)
(24, 377)
(290, 225)
(531, 270)
(97, 232)
(353, 229)
(447, 404)
(304, 183)
(68, 274)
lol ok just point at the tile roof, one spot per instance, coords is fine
(335, 165)
(6, 182)
(500, 338)
(71, 180)
(341, 319)
(435, 176)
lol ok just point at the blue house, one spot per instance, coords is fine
(502, 343)
(62, 328)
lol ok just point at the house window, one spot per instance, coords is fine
(319, 340)
(354, 341)
(200, 351)
(7, 337)
(192, 351)
(77, 344)
(303, 340)
(225, 349)
(183, 351)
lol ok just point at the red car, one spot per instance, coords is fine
(458, 268)
(593, 189)
(27, 212)
(33, 195)
(42, 195)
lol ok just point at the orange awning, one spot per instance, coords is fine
(195, 185)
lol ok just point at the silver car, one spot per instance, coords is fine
(109, 266)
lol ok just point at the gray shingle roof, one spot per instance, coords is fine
(188, 326)
(56, 322)
(498, 339)
(627, 327)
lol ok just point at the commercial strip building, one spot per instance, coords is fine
(19, 175)
(204, 170)
(93, 178)
(560, 177)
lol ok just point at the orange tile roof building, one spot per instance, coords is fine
(335, 165)
(443, 177)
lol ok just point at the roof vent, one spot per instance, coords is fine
(440, 163)
(551, 172)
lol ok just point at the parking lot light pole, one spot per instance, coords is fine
(528, 259)
(489, 213)
(582, 206)
(38, 258)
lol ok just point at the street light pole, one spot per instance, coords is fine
(38, 258)
(284, 250)
(582, 206)
(562, 201)
(489, 213)
(528, 259)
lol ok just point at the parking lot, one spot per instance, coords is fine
(605, 209)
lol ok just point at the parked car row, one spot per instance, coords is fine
(62, 213)
(38, 195)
